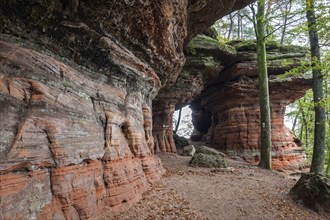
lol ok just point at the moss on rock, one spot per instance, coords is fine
(211, 32)
(208, 150)
(208, 160)
(203, 42)
(251, 45)
(180, 141)
(208, 157)
(314, 191)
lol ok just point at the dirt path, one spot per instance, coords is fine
(240, 192)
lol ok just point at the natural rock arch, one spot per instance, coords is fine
(226, 98)
(74, 77)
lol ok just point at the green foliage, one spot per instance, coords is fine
(286, 23)
(303, 112)
(304, 70)
(205, 42)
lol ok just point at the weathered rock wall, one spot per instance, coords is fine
(233, 100)
(162, 127)
(77, 79)
(71, 144)
(205, 58)
(236, 125)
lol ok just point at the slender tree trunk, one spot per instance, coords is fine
(287, 11)
(328, 166)
(306, 134)
(178, 123)
(319, 130)
(239, 21)
(265, 124)
(231, 26)
(328, 120)
(301, 131)
(305, 116)
(295, 120)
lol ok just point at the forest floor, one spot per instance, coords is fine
(241, 191)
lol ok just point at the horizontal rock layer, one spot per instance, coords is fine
(220, 83)
(72, 142)
(76, 117)
(226, 114)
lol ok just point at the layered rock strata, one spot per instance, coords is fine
(205, 58)
(71, 144)
(77, 79)
(234, 104)
(162, 127)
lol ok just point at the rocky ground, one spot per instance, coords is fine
(238, 192)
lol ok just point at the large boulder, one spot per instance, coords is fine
(208, 150)
(189, 150)
(180, 141)
(208, 157)
(314, 191)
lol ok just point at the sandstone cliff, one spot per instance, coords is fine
(77, 79)
(226, 114)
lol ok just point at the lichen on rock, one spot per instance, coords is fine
(202, 43)
(314, 192)
(208, 157)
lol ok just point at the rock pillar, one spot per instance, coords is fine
(235, 127)
(162, 126)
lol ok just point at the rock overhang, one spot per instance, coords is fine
(77, 81)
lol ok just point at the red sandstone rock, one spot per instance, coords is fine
(76, 123)
(70, 144)
(162, 128)
(234, 103)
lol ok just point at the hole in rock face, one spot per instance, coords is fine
(288, 116)
(186, 127)
(203, 122)
(124, 127)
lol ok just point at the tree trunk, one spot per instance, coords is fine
(239, 21)
(178, 122)
(287, 11)
(295, 120)
(265, 151)
(328, 120)
(306, 134)
(305, 128)
(301, 132)
(319, 130)
(231, 26)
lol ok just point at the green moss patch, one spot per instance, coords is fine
(202, 42)
(314, 191)
(208, 157)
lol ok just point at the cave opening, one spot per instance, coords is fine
(182, 124)
(105, 82)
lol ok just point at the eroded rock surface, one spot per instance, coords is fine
(205, 58)
(313, 190)
(233, 102)
(77, 79)
(208, 157)
(71, 144)
(220, 83)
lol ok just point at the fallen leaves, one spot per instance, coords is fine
(238, 192)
